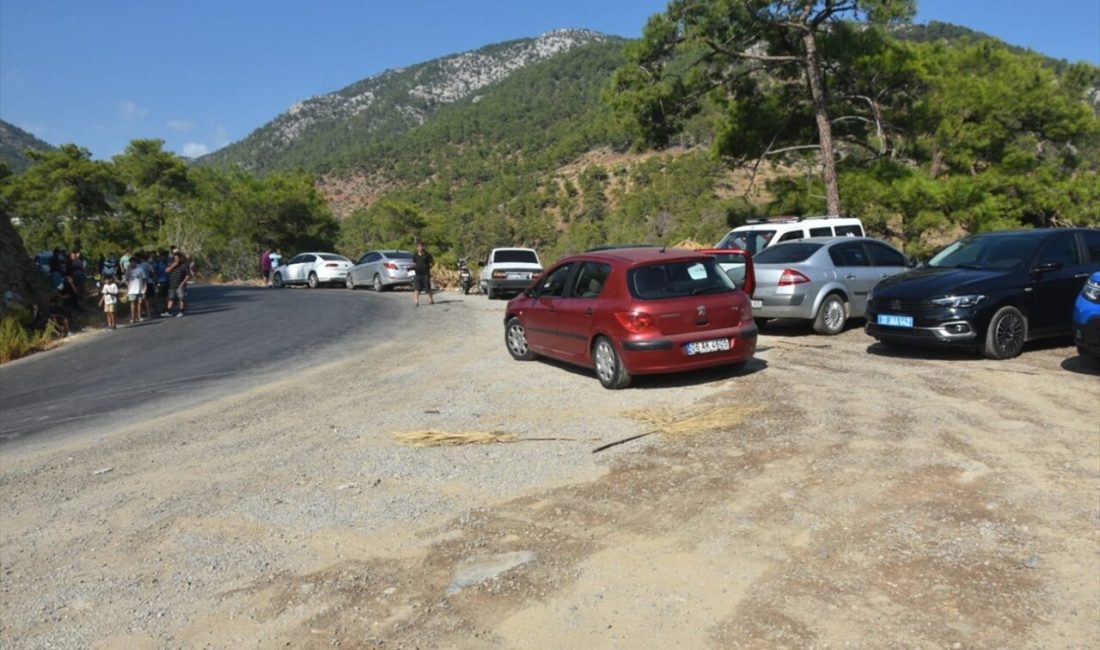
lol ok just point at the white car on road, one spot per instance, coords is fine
(312, 270)
(509, 269)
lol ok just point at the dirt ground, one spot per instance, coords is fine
(831, 494)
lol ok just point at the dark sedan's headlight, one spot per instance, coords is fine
(958, 302)
(1091, 291)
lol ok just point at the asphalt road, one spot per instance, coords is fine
(232, 338)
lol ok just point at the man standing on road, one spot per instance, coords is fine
(265, 265)
(177, 276)
(422, 264)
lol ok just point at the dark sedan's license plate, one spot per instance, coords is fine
(705, 347)
(891, 320)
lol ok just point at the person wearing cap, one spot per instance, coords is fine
(422, 264)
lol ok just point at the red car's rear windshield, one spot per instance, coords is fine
(678, 279)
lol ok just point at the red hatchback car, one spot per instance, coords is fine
(633, 311)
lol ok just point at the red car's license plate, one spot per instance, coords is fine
(705, 347)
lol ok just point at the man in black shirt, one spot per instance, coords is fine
(177, 280)
(422, 264)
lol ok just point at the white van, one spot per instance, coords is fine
(757, 235)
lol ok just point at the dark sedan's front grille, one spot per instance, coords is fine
(911, 307)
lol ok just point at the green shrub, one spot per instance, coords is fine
(18, 338)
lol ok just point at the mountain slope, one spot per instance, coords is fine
(14, 142)
(314, 133)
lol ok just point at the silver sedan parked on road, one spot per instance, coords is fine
(823, 279)
(382, 270)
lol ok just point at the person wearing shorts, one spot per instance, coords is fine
(136, 280)
(422, 264)
(109, 299)
(177, 276)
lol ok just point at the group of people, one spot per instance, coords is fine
(155, 282)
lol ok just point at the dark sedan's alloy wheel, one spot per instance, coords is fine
(609, 366)
(515, 337)
(1006, 335)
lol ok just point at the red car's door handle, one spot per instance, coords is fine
(588, 312)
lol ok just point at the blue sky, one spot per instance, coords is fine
(203, 73)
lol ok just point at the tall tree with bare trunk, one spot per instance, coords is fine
(770, 64)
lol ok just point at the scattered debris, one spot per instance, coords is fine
(481, 568)
(103, 470)
(346, 486)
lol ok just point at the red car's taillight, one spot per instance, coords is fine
(390, 265)
(635, 322)
(792, 277)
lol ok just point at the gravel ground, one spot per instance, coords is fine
(831, 494)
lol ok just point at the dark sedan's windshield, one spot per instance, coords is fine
(678, 279)
(1001, 252)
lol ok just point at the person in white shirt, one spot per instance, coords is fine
(135, 289)
(276, 260)
(108, 299)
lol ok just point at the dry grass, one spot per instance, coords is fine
(672, 423)
(689, 244)
(430, 438)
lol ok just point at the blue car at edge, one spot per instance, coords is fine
(1086, 320)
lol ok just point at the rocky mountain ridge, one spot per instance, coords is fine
(389, 103)
(14, 143)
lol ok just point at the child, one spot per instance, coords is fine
(108, 300)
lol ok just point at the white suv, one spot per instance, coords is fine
(509, 269)
(755, 236)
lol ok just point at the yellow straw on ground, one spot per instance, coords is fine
(445, 438)
(671, 423)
